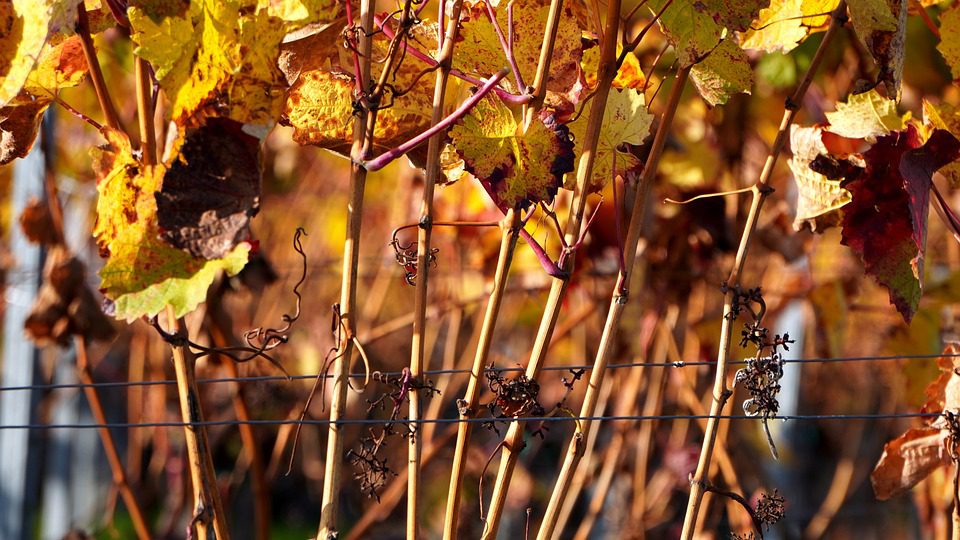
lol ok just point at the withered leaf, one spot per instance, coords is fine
(37, 224)
(907, 460)
(211, 190)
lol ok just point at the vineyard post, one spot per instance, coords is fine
(759, 191)
(445, 41)
(618, 302)
(512, 443)
(362, 142)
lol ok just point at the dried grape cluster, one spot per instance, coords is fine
(761, 377)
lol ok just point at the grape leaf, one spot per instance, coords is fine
(479, 51)
(696, 28)
(25, 26)
(143, 274)
(725, 72)
(865, 115)
(949, 45)
(886, 220)
(625, 121)
(319, 104)
(945, 116)
(786, 23)
(211, 190)
(219, 58)
(907, 460)
(630, 74)
(819, 197)
(61, 65)
(882, 26)
(517, 167)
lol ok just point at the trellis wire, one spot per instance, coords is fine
(281, 378)
(557, 418)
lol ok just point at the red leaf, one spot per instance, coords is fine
(886, 222)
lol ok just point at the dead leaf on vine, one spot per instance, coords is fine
(882, 26)
(819, 193)
(211, 190)
(907, 460)
(517, 167)
(865, 115)
(37, 224)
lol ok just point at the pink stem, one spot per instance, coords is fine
(507, 46)
(506, 97)
(385, 158)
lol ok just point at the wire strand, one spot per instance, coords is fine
(281, 378)
(374, 421)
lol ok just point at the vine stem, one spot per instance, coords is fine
(760, 191)
(444, 59)
(206, 494)
(470, 403)
(362, 145)
(618, 302)
(513, 441)
(96, 74)
(109, 445)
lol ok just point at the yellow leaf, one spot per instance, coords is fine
(319, 104)
(480, 53)
(218, 58)
(819, 198)
(518, 167)
(725, 72)
(945, 116)
(25, 26)
(142, 273)
(786, 23)
(630, 74)
(949, 45)
(865, 115)
(625, 121)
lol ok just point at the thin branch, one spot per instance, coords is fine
(96, 74)
(721, 393)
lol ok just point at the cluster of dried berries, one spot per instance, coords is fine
(761, 377)
(371, 470)
(770, 508)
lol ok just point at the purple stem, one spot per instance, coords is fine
(949, 216)
(545, 261)
(506, 97)
(385, 158)
(507, 47)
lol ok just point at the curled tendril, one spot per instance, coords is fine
(258, 341)
(408, 257)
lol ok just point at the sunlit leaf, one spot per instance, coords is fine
(945, 116)
(25, 26)
(630, 74)
(696, 28)
(479, 52)
(219, 58)
(949, 45)
(865, 115)
(142, 273)
(725, 72)
(907, 460)
(786, 23)
(518, 167)
(819, 198)
(625, 121)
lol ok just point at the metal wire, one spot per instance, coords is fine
(279, 378)
(558, 418)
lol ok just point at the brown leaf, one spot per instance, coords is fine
(944, 392)
(211, 190)
(19, 124)
(37, 224)
(907, 460)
